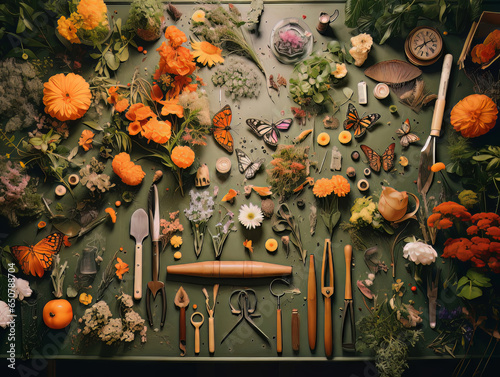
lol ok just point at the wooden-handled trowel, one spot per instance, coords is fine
(428, 153)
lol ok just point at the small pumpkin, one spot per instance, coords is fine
(474, 115)
(57, 314)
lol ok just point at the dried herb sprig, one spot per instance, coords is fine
(283, 220)
(107, 277)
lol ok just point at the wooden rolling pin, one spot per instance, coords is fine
(230, 269)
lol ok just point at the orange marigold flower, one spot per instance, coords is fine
(121, 268)
(42, 224)
(134, 128)
(130, 173)
(171, 106)
(158, 131)
(121, 105)
(175, 36)
(182, 157)
(297, 166)
(206, 53)
(93, 12)
(341, 186)
(323, 187)
(66, 97)
(86, 139)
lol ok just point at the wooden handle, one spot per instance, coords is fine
(211, 335)
(437, 116)
(295, 330)
(182, 325)
(312, 305)
(279, 333)
(138, 272)
(348, 259)
(328, 327)
(197, 340)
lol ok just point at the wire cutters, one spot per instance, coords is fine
(247, 303)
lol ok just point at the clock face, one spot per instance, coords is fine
(426, 44)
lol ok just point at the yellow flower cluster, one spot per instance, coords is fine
(89, 15)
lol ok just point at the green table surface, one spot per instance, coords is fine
(245, 343)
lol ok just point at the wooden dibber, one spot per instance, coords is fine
(312, 305)
(295, 330)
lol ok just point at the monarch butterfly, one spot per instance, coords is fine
(36, 259)
(376, 161)
(246, 165)
(269, 132)
(406, 138)
(359, 124)
(221, 122)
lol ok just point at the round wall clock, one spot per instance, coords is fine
(424, 45)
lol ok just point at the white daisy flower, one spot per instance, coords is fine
(250, 216)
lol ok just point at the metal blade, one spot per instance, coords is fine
(427, 159)
(139, 225)
(154, 213)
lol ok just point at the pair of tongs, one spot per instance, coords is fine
(327, 292)
(348, 303)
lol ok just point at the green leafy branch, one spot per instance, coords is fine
(469, 286)
(284, 220)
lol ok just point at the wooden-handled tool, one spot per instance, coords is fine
(348, 303)
(312, 305)
(327, 292)
(139, 230)
(197, 326)
(295, 330)
(211, 320)
(279, 327)
(181, 300)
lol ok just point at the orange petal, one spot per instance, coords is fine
(230, 195)
(262, 191)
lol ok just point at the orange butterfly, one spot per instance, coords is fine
(376, 161)
(37, 259)
(221, 122)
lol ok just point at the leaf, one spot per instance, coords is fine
(478, 278)
(21, 26)
(482, 157)
(470, 293)
(333, 47)
(95, 55)
(111, 61)
(73, 153)
(93, 125)
(348, 92)
(463, 280)
(353, 11)
(124, 54)
(493, 164)
(318, 98)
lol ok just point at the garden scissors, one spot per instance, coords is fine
(247, 303)
(155, 285)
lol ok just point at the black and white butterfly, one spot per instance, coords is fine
(269, 132)
(406, 138)
(246, 165)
